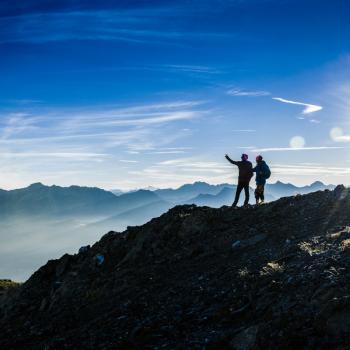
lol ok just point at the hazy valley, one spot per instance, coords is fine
(44, 222)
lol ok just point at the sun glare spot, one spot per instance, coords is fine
(335, 133)
(297, 142)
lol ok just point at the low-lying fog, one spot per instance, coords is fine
(28, 244)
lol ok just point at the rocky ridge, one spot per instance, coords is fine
(270, 277)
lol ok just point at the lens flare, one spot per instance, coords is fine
(297, 142)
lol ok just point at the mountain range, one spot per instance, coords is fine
(265, 277)
(75, 201)
(41, 221)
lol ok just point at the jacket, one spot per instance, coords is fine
(245, 169)
(260, 170)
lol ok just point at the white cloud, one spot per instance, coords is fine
(287, 149)
(45, 142)
(171, 150)
(175, 172)
(181, 115)
(244, 130)
(136, 116)
(239, 92)
(25, 101)
(132, 124)
(193, 163)
(343, 138)
(337, 135)
(17, 123)
(188, 68)
(167, 152)
(113, 25)
(301, 170)
(309, 108)
(70, 155)
(128, 161)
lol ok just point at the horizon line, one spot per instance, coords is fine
(147, 188)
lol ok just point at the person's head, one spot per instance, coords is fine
(259, 158)
(244, 156)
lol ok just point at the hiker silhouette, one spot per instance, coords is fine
(245, 169)
(263, 172)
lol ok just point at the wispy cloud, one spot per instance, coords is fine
(69, 155)
(115, 25)
(248, 93)
(342, 138)
(309, 170)
(244, 130)
(133, 120)
(308, 108)
(167, 152)
(191, 163)
(338, 135)
(17, 123)
(42, 143)
(171, 150)
(96, 131)
(143, 114)
(24, 102)
(128, 161)
(189, 68)
(288, 149)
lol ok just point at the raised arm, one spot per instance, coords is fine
(230, 160)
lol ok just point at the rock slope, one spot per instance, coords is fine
(270, 277)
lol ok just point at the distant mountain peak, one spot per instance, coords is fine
(36, 185)
(278, 182)
(317, 183)
(200, 183)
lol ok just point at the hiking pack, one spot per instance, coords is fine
(267, 172)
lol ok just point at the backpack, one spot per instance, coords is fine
(267, 172)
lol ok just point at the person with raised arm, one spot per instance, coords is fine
(245, 174)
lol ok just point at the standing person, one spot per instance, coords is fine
(263, 172)
(245, 169)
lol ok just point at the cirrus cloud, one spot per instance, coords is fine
(239, 92)
(308, 108)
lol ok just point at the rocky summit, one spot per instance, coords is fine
(275, 276)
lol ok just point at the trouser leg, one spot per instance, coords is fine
(262, 196)
(256, 192)
(238, 192)
(246, 191)
(259, 193)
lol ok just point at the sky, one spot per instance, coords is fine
(131, 94)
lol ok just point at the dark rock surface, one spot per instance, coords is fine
(181, 282)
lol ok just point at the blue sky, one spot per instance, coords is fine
(154, 93)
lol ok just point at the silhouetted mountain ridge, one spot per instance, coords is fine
(266, 277)
(38, 199)
(42, 221)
